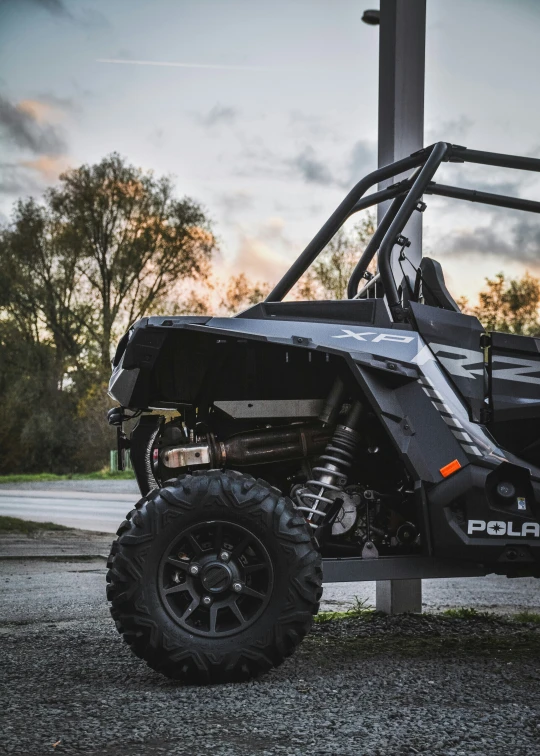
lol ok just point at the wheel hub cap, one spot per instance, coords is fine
(216, 577)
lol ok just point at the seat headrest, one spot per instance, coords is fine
(434, 289)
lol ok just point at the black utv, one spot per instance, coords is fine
(383, 436)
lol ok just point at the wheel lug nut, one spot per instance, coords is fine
(224, 556)
(207, 600)
(237, 587)
(194, 569)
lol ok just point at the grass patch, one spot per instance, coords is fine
(360, 609)
(363, 610)
(459, 633)
(15, 525)
(510, 647)
(45, 477)
(467, 613)
(527, 616)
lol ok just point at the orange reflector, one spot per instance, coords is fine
(450, 468)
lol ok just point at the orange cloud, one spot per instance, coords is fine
(49, 168)
(263, 253)
(259, 260)
(41, 112)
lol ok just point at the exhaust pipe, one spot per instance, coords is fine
(254, 447)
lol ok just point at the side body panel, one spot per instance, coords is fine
(515, 388)
(455, 340)
(181, 362)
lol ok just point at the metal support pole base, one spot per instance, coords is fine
(399, 596)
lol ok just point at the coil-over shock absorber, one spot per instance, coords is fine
(330, 476)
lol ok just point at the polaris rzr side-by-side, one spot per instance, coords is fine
(383, 436)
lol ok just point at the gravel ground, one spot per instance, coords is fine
(392, 686)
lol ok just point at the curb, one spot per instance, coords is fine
(52, 557)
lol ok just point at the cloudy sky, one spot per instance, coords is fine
(269, 113)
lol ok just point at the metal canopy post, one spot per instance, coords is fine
(401, 97)
(401, 132)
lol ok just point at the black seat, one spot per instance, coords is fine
(434, 291)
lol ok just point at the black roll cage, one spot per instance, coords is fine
(407, 197)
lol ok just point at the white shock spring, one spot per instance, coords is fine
(330, 477)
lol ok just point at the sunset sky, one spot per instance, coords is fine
(269, 114)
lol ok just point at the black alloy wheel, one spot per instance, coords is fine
(216, 579)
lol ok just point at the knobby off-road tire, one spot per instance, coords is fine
(258, 572)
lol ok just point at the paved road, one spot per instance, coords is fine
(88, 510)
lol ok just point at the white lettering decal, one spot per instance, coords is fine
(499, 528)
(476, 526)
(394, 337)
(519, 374)
(358, 335)
(458, 360)
(496, 527)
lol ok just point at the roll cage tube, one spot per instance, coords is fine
(486, 198)
(396, 227)
(372, 246)
(336, 220)
(406, 195)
